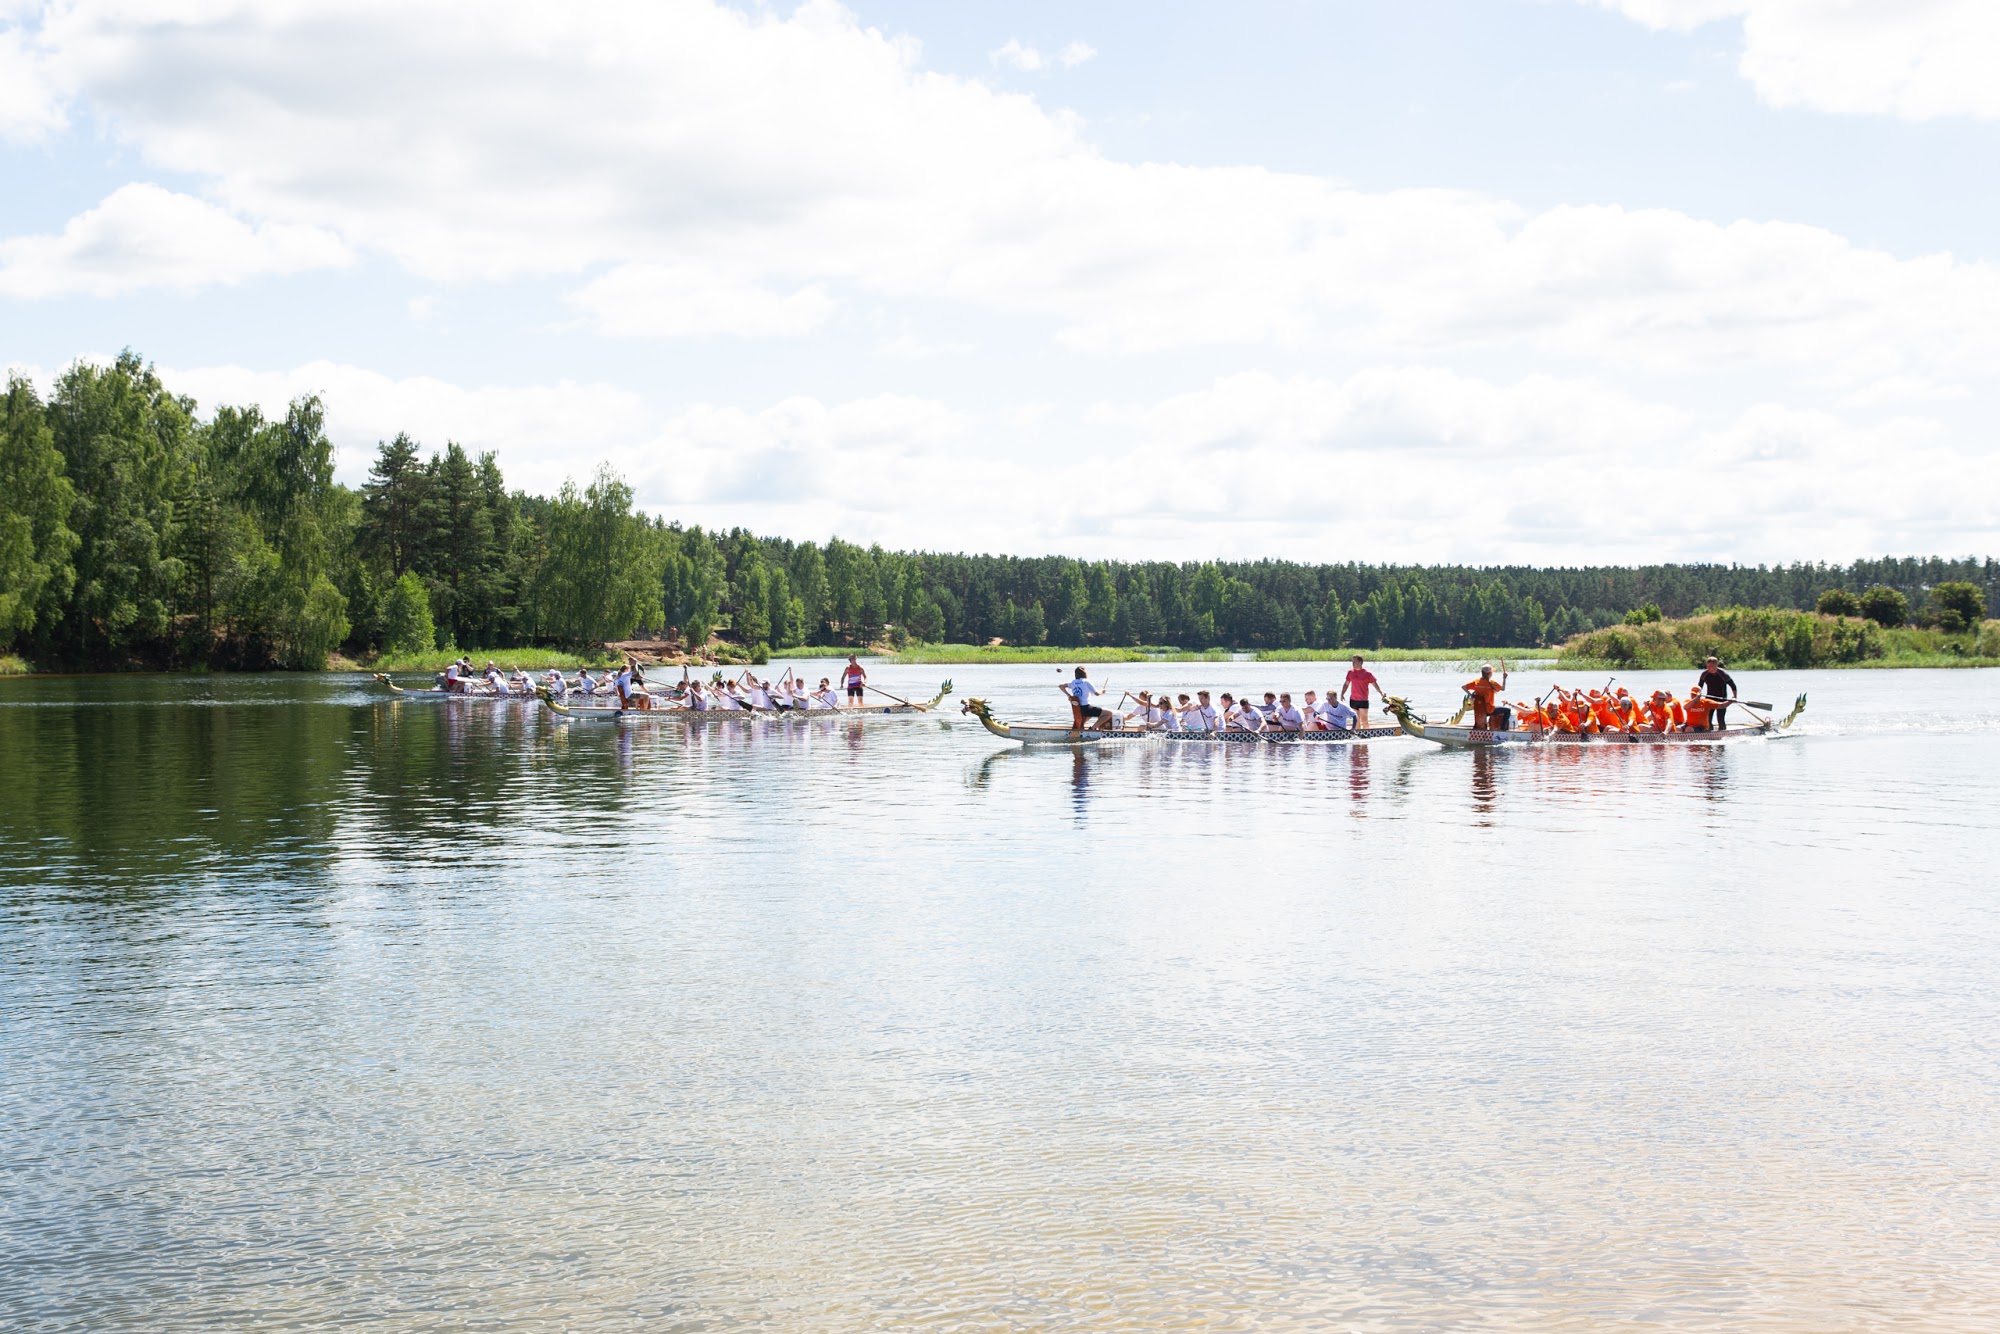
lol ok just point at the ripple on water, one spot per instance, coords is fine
(320, 1011)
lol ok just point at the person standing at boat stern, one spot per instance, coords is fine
(1484, 691)
(1718, 687)
(856, 677)
(1081, 709)
(1355, 690)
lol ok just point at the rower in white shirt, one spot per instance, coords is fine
(1285, 717)
(828, 697)
(557, 687)
(1240, 716)
(1202, 717)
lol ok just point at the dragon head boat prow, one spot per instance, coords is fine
(1399, 708)
(978, 709)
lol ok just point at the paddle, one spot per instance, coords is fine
(898, 698)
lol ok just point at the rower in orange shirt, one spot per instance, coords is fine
(1697, 708)
(1656, 713)
(1676, 716)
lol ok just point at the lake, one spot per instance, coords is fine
(320, 1009)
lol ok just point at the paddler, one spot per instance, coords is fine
(1287, 718)
(1698, 710)
(1484, 690)
(1202, 717)
(554, 683)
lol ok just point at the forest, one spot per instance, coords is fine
(137, 533)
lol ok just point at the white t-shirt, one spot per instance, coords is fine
(1340, 716)
(1081, 690)
(1200, 718)
(1290, 719)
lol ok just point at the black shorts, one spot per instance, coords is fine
(1090, 710)
(1358, 703)
(855, 692)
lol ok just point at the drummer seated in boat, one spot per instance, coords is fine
(1484, 690)
(1082, 712)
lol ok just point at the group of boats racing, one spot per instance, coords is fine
(1611, 716)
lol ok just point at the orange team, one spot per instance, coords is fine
(1658, 719)
(1697, 708)
(1484, 691)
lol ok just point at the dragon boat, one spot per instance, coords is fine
(612, 712)
(1057, 734)
(481, 694)
(1451, 735)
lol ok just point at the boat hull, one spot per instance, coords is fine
(1032, 734)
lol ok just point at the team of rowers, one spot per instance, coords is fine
(1343, 710)
(627, 684)
(1611, 710)
(1705, 709)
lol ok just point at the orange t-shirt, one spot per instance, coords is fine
(1485, 690)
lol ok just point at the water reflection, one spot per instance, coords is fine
(840, 1026)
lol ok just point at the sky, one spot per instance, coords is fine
(1541, 281)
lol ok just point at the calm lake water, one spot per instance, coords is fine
(318, 1009)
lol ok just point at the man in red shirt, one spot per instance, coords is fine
(1359, 682)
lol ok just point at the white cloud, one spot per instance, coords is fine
(145, 236)
(730, 169)
(29, 106)
(661, 300)
(1076, 53)
(1016, 56)
(1917, 59)
(725, 172)
(543, 433)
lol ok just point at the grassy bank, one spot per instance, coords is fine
(12, 666)
(533, 659)
(1772, 638)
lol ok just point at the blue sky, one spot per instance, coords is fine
(1560, 281)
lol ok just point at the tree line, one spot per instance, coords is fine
(134, 532)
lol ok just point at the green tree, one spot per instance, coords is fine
(602, 579)
(122, 438)
(1957, 606)
(36, 543)
(1838, 602)
(1886, 607)
(406, 617)
(392, 505)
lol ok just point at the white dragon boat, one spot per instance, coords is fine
(1056, 734)
(1446, 734)
(661, 701)
(657, 709)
